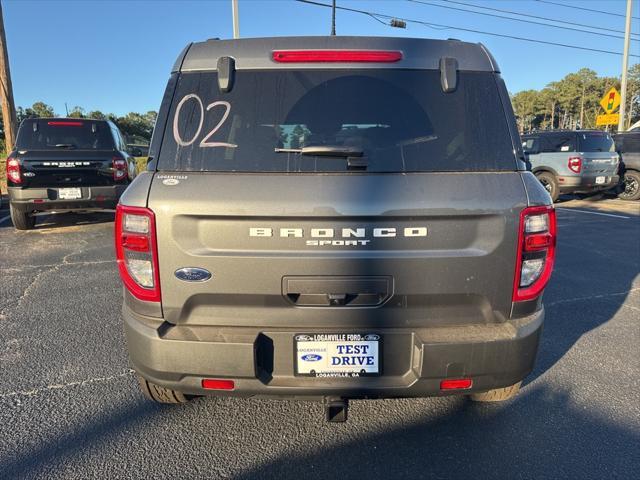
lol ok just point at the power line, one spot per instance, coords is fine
(436, 25)
(518, 19)
(537, 16)
(585, 9)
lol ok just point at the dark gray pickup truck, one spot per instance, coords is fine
(333, 218)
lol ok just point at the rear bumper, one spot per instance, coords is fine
(44, 199)
(586, 183)
(261, 362)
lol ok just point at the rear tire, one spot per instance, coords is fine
(631, 186)
(549, 182)
(21, 220)
(160, 394)
(498, 394)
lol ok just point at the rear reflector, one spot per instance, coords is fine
(456, 384)
(65, 124)
(218, 384)
(329, 56)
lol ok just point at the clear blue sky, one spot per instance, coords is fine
(115, 55)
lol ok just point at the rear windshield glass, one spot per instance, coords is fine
(395, 120)
(64, 134)
(595, 142)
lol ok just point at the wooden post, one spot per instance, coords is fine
(6, 91)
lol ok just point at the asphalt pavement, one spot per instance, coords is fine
(70, 407)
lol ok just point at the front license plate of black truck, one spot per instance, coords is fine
(337, 354)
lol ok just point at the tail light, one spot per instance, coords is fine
(13, 171)
(575, 164)
(536, 252)
(120, 168)
(336, 56)
(137, 252)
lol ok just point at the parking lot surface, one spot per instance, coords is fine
(70, 407)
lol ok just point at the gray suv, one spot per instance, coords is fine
(570, 161)
(333, 218)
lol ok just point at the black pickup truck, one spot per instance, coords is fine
(66, 164)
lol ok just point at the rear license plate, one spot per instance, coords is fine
(600, 180)
(337, 354)
(69, 193)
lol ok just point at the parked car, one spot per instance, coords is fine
(62, 164)
(334, 218)
(628, 146)
(569, 161)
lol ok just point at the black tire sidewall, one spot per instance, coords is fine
(21, 220)
(636, 176)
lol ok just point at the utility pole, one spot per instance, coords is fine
(625, 67)
(236, 20)
(6, 90)
(333, 18)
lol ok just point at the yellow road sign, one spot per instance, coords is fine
(611, 100)
(609, 119)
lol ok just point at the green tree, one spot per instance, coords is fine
(77, 112)
(38, 109)
(96, 114)
(137, 124)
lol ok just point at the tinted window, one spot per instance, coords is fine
(558, 142)
(595, 142)
(400, 119)
(45, 134)
(628, 142)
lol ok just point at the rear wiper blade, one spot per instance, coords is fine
(354, 156)
(324, 151)
(65, 145)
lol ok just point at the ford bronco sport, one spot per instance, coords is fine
(334, 218)
(66, 164)
(572, 161)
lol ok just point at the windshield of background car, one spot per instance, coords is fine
(400, 120)
(46, 134)
(595, 142)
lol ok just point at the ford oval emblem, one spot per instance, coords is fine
(311, 357)
(193, 274)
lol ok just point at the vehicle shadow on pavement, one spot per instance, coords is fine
(58, 221)
(34, 462)
(539, 435)
(65, 220)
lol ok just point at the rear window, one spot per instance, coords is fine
(595, 142)
(558, 142)
(400, 120)
(45, 134)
